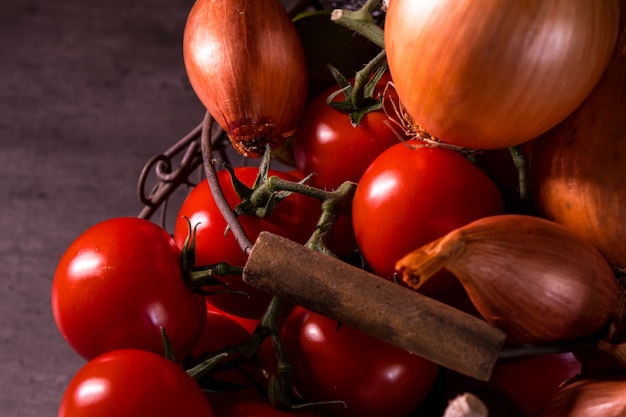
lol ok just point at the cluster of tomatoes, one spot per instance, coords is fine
(120, 287)
(125, 294)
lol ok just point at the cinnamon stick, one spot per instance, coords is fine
(378, 307)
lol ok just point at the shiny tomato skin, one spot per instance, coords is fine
(412, 195)
(117, 284)
(531, 382)
(334, 362)
(294, 217)
(221, 330)
(131, 383)
(328, 145)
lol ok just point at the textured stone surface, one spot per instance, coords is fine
(89, 90)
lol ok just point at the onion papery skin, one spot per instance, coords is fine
(526, 275)
(578, 169)
(600, 397)
(496, 73)
(246, 64)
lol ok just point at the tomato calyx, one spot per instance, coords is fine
(359, 98)
(258, 200)
(199, 278)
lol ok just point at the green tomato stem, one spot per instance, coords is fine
(521, 164)
(333, 202)
(362, 77)
(361, 22)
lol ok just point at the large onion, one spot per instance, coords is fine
(578, 169)
(495, 73)
(246, 64)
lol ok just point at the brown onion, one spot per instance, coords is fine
(492, 74)
(578, 169)
(601, 397)
(247, 66)
(528, 276)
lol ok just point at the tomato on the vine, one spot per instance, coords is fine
(327, 144)
(336, 362)
(294, 217)
(118, 284)
(131, 383)
(413, 194)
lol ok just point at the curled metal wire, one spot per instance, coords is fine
(174, 168)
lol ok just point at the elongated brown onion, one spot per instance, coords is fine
(578, 169)
(528, 276)
(246, 64)
(601, 397)
(491, 74)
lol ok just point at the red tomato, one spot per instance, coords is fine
(117, 284)
(222, 331)
(372, 377)
(248, 324)
(412, 195)
(342, 243)
(531, 382)
(526, 384)
(131, 383)
(328, 145)
(294, 217)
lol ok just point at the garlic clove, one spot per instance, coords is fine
(466, 405)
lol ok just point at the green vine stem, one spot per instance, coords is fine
(332, 202)
(361, 22)
(359, 98)
(362, 77)
(521, 164)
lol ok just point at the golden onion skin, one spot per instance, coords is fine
(578, 169)
(246, 64)
(495, 73)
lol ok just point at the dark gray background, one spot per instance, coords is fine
(89, 90)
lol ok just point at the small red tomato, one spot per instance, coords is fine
(413, 194)
(118, 284)
(328, 145)
(531, 382)
(336, 362)
(520, 386)
(131, 383)
(294, 217)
